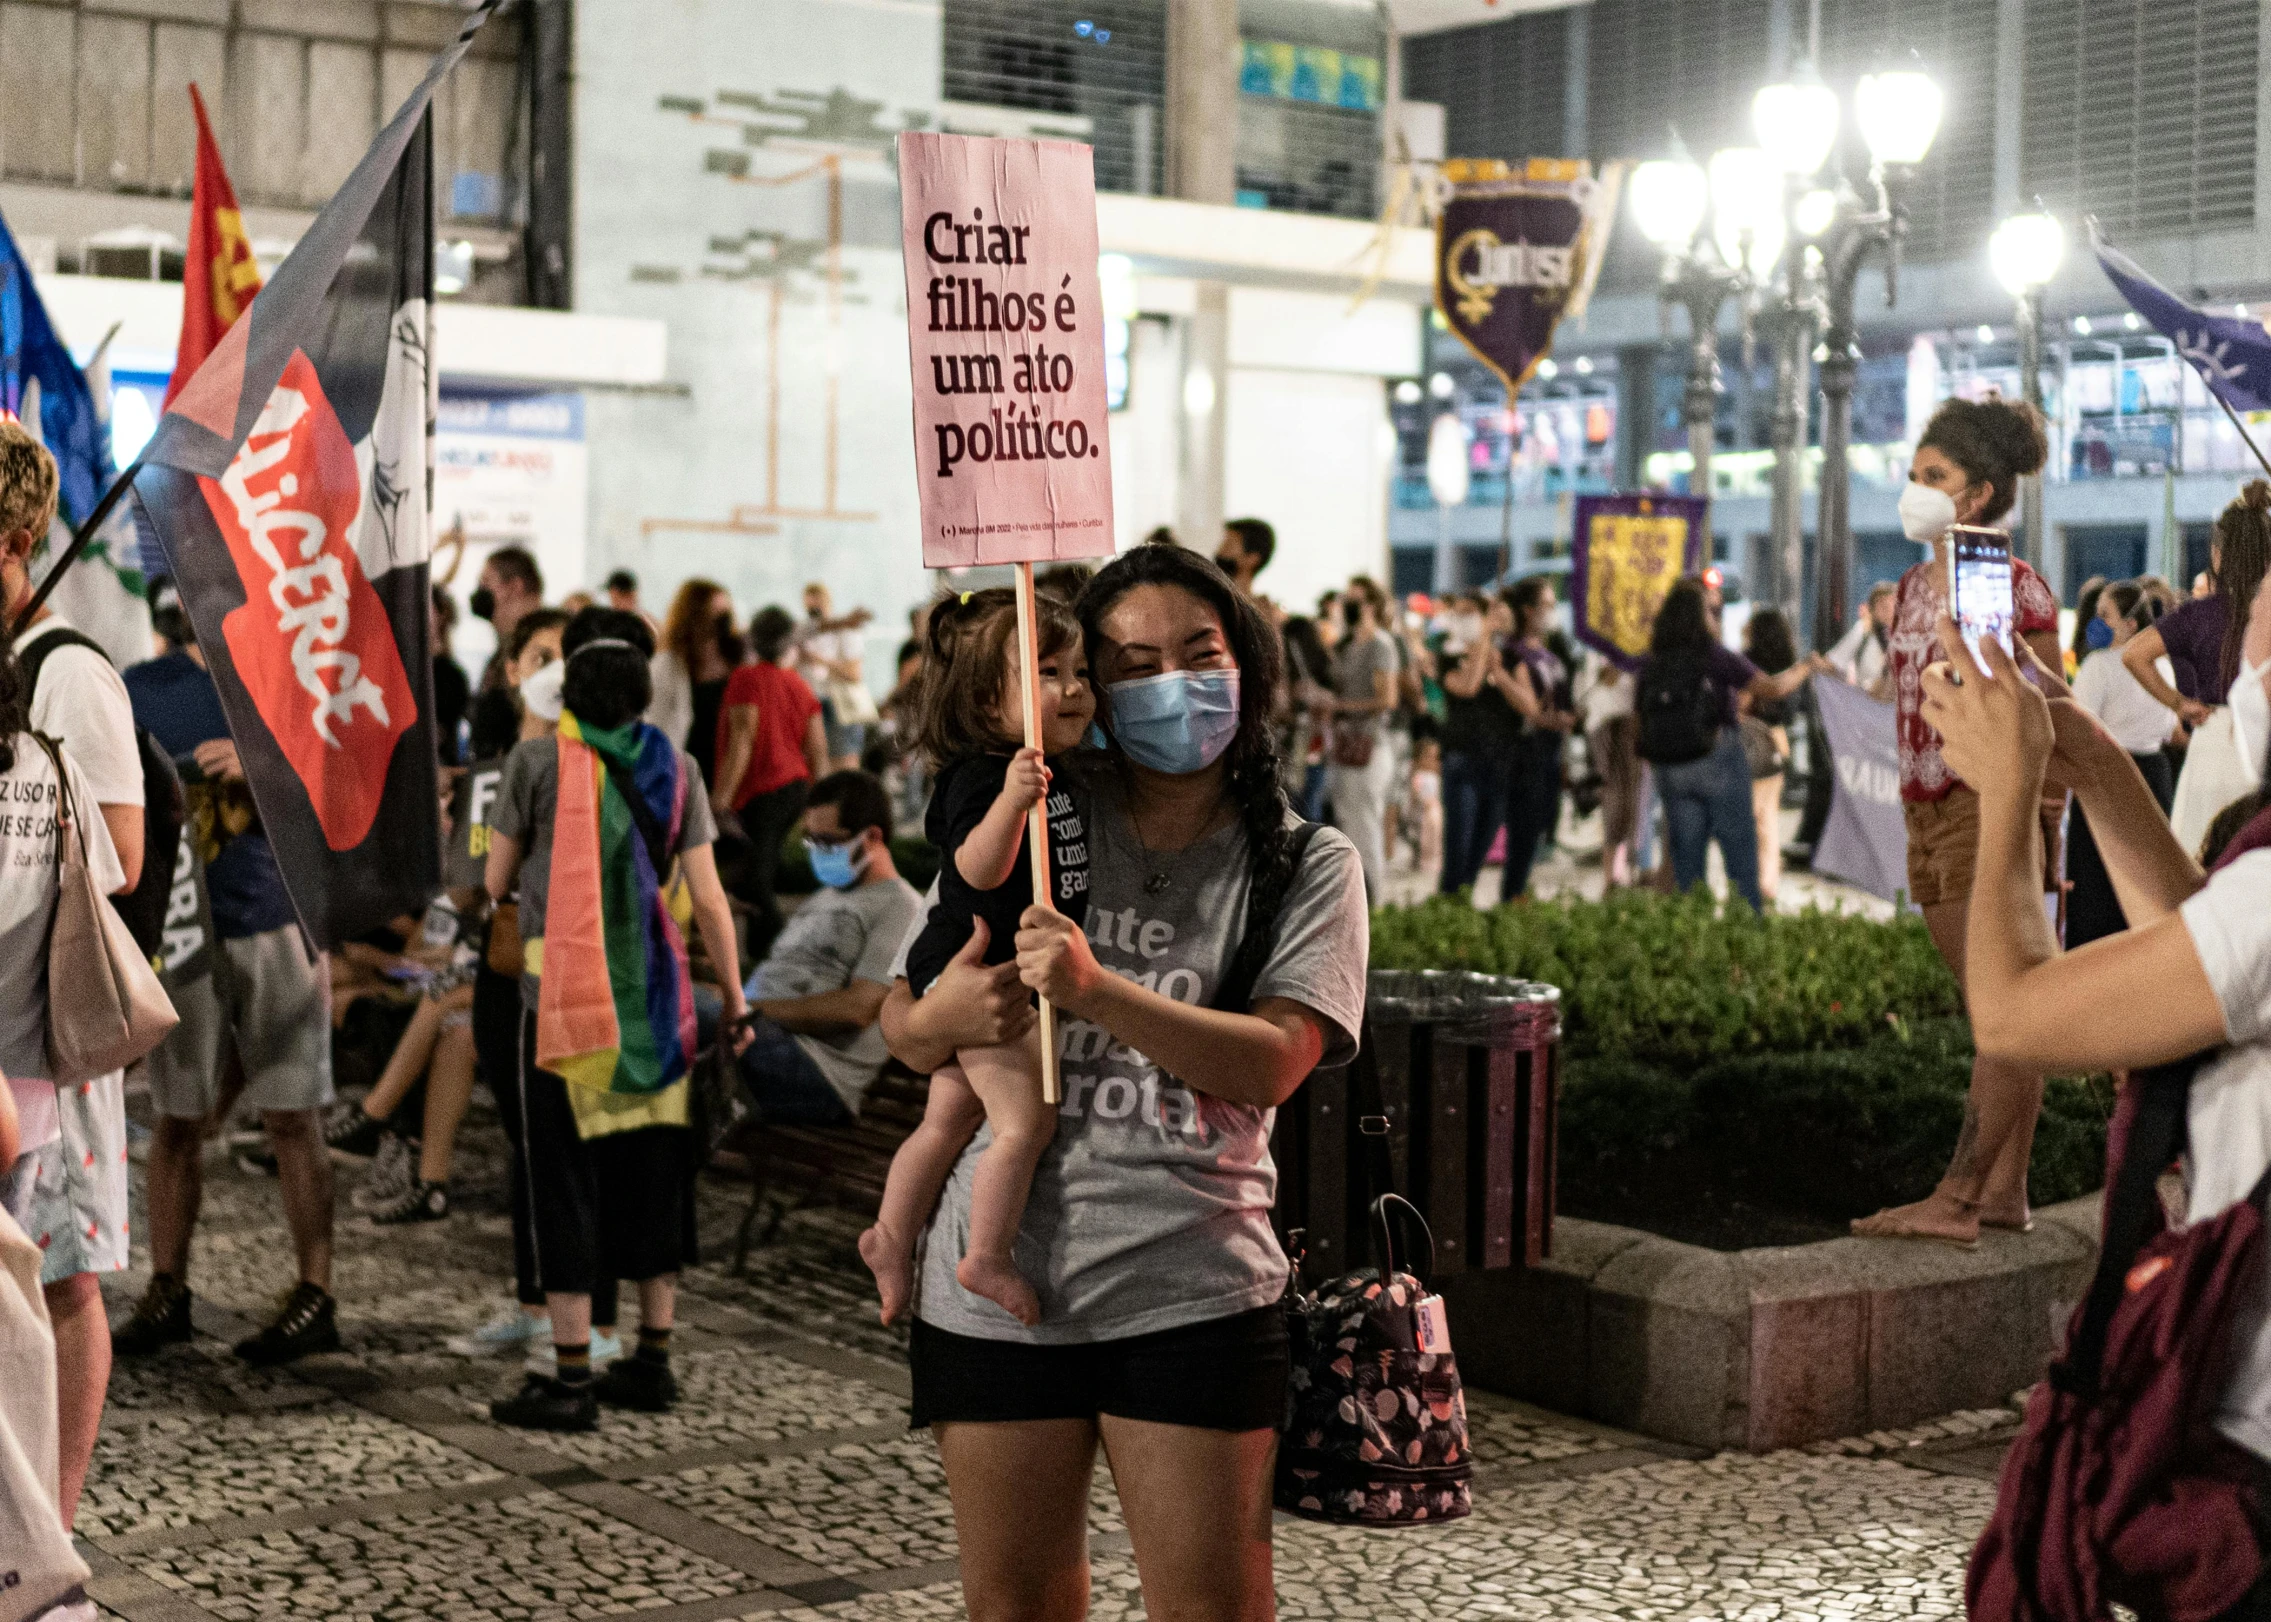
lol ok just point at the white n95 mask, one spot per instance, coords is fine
(1927, 512)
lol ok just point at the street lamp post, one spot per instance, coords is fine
(1702, 271)
(2025, 251)
(1670, 197)
(1797, 124)
(1899, 114)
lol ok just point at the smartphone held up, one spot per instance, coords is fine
(1979, 567)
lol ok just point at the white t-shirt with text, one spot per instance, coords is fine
(30, 855)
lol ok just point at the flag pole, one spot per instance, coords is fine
(2242, 428)
(80, 540)
(1037, 819)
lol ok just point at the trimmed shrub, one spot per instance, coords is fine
(1675, 980)
(1834, 1134)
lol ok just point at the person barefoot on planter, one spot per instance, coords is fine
(986, 785)
(1966, 470)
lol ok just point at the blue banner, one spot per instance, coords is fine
(42, 385)
(2232, 355)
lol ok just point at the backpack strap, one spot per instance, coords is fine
(46, 640)
(1265, 899)
(2133, 1212)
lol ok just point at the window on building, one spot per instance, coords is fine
(2141, 112)
(1502, 85)
(1104, 62)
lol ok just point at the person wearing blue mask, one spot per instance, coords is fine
(1146, 1235)
(817, 1049)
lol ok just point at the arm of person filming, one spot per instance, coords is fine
(2029, 1002)
(969, 1005)
(2142, 655)
(1257, 1058)
(2152, 873)
(733, 759)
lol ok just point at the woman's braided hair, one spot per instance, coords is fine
(1254, 781)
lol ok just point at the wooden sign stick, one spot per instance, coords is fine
(1037, 819)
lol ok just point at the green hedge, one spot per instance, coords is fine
(1837, 1134)
(1674, 980)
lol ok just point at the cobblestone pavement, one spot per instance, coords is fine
(370, 1484)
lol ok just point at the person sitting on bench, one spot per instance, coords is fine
(819, 992)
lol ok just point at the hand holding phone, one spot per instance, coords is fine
(1980, 574)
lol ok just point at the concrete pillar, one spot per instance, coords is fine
(1206, 408)
(1636, 413)
(1202, 100)
(1202, 167)
(1577, 74)
(2010, 66)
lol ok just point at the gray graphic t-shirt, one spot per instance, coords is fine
(1151, 1209)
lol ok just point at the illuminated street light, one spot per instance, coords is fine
(1796, 123)
(2024, 253)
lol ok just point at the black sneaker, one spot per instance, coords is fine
(308, 1323)
(545, 1404)
(638, 1382)
(348, 1131)
(160, 1318)
(420, 1202)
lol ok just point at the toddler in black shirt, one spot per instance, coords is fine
(985, 789)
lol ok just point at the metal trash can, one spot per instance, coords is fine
(1467, 1068)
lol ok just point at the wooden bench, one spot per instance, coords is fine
(826, 1165)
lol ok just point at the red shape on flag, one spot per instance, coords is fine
(312, 643)
(219, 276)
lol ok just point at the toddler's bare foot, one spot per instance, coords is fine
(893, 1264)
(1002, 1284)
(1938, 1216)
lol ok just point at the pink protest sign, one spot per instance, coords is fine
(1005, 335)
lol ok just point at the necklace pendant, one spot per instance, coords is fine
(1157, 883)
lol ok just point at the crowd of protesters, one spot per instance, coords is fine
(677, 770)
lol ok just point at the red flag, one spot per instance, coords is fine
(220, 275)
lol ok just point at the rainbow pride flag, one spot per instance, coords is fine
(615, 998)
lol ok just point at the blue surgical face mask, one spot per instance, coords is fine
(1177, 722)
(837, 866)
(2097, 634)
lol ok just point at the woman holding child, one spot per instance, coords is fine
(1145, 1238)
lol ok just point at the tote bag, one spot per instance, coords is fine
(37, 1562)
(2214, 776)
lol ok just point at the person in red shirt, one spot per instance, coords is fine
(771, 745)
(1966, 470)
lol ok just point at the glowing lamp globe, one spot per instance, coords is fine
(1796, 123)
(1899, 114)
(2025, 251)
(1669, 196)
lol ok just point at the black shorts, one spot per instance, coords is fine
(1226, 1374)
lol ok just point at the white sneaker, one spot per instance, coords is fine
(509, 1330)
(605, 1349)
